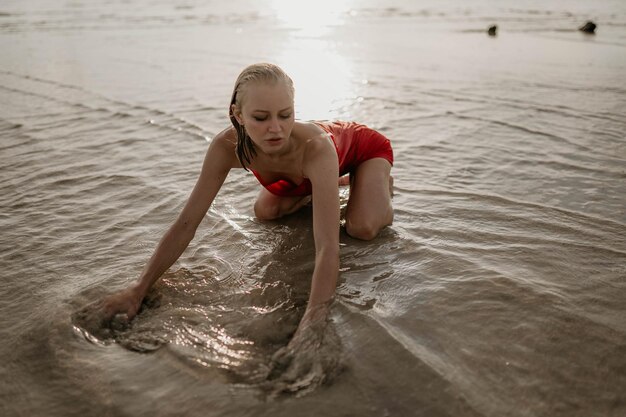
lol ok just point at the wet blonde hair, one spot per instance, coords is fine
(262, 72)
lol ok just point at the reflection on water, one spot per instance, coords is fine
(244, 326)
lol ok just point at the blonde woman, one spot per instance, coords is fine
(296, 162)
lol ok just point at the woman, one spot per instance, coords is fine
(295, 162)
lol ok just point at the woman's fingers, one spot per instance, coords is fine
(280, 362)
(120, 322)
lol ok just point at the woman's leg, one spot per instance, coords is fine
(269, 206)
(369, 206)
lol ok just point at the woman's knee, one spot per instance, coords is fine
(362, 230)
(366, 227)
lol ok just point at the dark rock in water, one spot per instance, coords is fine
(588, 27)
(492, 30)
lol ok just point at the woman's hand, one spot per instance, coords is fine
(113, 312)
(125, 302)
(312, 357)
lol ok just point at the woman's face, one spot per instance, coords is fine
(267, 113)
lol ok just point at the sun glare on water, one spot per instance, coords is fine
(311, 18)
(323, 80)
(323, 77)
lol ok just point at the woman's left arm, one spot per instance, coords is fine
(294, 362)
(322, 169)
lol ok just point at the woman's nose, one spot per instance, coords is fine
(274, 125)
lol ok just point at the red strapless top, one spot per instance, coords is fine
(354, 143)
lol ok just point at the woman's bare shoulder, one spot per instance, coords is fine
(223, 147)
(226, 138)
(308, 129)
(317, 141)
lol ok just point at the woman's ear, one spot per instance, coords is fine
(236, 113)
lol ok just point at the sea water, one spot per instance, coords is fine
(499, 289)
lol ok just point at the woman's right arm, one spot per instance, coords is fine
(219, 159)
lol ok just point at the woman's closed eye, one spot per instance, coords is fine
(264, 118)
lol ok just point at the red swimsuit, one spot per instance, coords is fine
(355, 144)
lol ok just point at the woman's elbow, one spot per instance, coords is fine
(330, 250)
(184, 229)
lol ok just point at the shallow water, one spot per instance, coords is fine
(497, 291)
